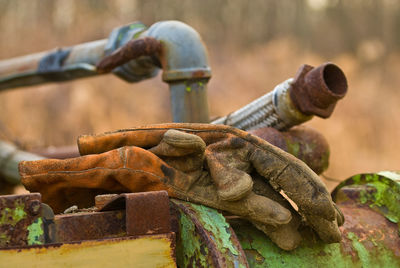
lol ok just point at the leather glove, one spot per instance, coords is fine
(208, 164)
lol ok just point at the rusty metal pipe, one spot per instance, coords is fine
(314, 91)
(61, 64)
(133, 52)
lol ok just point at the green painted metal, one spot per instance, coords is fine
(206, 239)
(370, 235)
(20, 221)
(380, 191)
(36, 232)
(190, 246)
(261, 252)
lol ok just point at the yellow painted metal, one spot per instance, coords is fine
(144, 251)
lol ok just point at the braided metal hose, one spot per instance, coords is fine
(314, 91)
(266, 111)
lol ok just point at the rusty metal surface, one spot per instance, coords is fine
(303, 142)
(379, 191)
(101, 200)
(146, 213)
(139, 251)
(20, 220)
(89, 225)
(368, 233)
(133, 49)
(315, 91)
(205, 239)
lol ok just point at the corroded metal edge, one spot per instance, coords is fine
(205, 238)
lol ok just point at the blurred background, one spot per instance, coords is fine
(253, 46)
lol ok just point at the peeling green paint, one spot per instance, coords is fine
(386, 195)
(189, 244)
(203, 229)
(36, 233)
(385, 199)
(12, 216)
(262, 252)
(379, 256)
(216, 224)
(362, 252)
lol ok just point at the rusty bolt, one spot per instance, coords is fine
(34, 207)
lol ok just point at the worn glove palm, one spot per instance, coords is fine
(208, 164)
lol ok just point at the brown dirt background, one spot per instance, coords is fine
(253, 45)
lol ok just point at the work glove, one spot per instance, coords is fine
(213, 165)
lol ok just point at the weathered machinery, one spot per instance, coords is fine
(149, 229)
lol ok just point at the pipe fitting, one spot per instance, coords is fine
(184, 61)
(183, 55)
(315, 91)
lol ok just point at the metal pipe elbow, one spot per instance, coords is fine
(184, 60)
(184, 55)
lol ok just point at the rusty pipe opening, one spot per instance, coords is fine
(316, 90)
(335, 80)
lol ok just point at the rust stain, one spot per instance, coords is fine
(146, 46)
(90, 225)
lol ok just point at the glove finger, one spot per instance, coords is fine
(228, 166)
(177, 143)
(100, 143)
(328, 231)
(297, 180)
(232, 184)
(253, 207)
(285, 236)
(339, 215)
(110, 160)
(181, 150)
